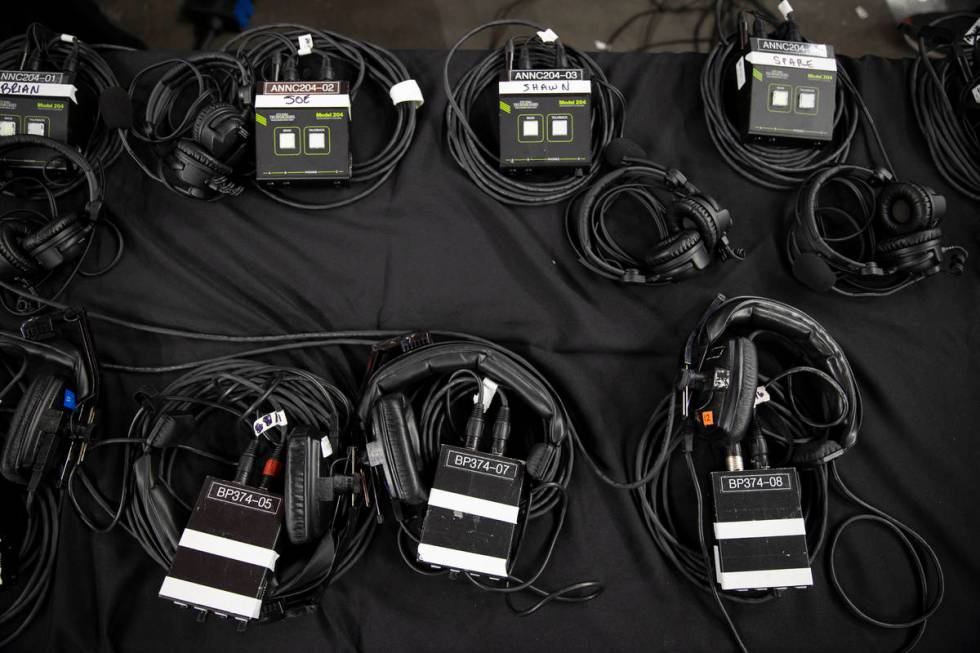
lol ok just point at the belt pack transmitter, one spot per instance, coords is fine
(35, 103)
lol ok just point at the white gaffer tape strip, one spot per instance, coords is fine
(210, 597)
(473, 506)
(301, 101)
(406, 91)
(39, 90)
(228, 548)
(737, 530)
(547, 86)
(763, 578)
(790, 60)
(455, 559)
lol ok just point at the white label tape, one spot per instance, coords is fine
(548, 35)
(785, 8)
(305, 45)
(487, 390)
(791, 60)
(536, 87)
(740, 72)
(406, 91)
(326, 449)
(302, 101)
(40, 90)
(266, 422)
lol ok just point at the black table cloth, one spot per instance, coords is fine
(428, 250)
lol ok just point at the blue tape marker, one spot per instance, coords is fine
(70, 401)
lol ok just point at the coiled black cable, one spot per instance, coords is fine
(42, 50)
(337, 56)
(779, 166)
(945, 110)
(477, 159)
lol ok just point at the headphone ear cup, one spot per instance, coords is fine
(698, 213)
(218, 128)
(26, 425)
(58, 242)
(904, 208)
(672, 255)
(912, 252)
(748, 365)
(394, 426)
(302, 514)
(14, 260)
(195, 167)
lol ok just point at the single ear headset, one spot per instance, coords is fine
(212, 136)
(716, 345)
(896, 227)
(27, 250)
(693, 227)
(389, 422)
(59, 376)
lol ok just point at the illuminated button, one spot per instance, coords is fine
(807, 100)
(316, 141)
(8, 128)
(35, 127)
(287, 140)
(559, 126)
(530, 128)
(780, 98)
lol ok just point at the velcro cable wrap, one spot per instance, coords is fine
(406, 91)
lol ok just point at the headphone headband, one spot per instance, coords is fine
(64, 355)
(94, 205)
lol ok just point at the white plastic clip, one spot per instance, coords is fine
(761, 395)
(785, 8)
(268, 421)
(601, 46)
(406, 91)
(548, 36)
(68, 38)
(305, 45)
(326, 449)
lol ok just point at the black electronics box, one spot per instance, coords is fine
(787, 90)
(759, 530)
(545, 119)
(302, 132)
(472, 520)
(226, 553)
(34, 103)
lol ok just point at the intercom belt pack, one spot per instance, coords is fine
(759, 530)
(473, 516)
(302, 131)
(34, 103)
(545, 119)
(227, 552)
(786, 90)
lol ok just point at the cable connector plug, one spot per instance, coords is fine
(474, 426)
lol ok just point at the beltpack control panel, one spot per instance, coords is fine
(302, 131)
(786, 90)
(545, 119)
(34, 103)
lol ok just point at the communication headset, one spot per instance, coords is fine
(692, 227)
(405, 452)
(202, 147)
(721, 375)
(891, 233)
(33, 245)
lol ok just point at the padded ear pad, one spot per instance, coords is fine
(58, 241)
(729, 407)
(694, 212)
(816, 453)
(670, 257)
(748, 381)
(24, 433)
(219, 128)
(394, 426)
(302, 513)
(13, 258)
(912, 252)
(904, 208)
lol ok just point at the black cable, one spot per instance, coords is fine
(945, 110)
(477, 159)
(363, 62)
(91, 75)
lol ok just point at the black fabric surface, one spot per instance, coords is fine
(430, 251)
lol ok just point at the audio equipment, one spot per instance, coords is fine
(858, 231)
(692, 227)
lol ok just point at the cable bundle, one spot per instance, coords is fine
(42, 50)
(480, 162)
(945, 109)
(272, 52)
(778, 166)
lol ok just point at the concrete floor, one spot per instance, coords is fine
(854, 27)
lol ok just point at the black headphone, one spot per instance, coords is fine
(721, 373)
(392, 430)
(27, 250)
(896, 227)
(693, 227)
(211, 138)
(61, 386)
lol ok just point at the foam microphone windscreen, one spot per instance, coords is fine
(621, 148)
(814, 272)
(116, 108)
